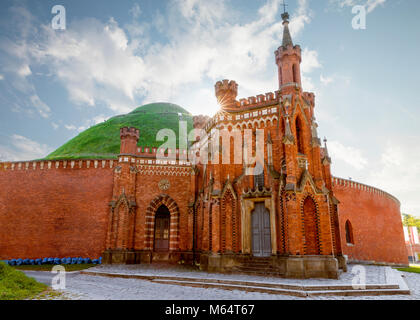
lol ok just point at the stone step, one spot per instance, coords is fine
(285, 291)
(255, 267)
(266, 287)
(256, 264)
(257, 260)
(377, 292)
(222, 286)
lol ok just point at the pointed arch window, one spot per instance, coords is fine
(349, 233)
(299, 136)
(259, 178)
(294, 73)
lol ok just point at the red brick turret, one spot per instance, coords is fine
(226, 93)
(129, 139)
(288, 59)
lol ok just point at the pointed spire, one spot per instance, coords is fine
(327, 159)
(287, 38)
(325, 147)
(316, 142)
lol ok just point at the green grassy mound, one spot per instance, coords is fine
(102, 141)
(15, 285)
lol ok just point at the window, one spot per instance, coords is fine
(299, 136)
(349, 233)
(259, 179)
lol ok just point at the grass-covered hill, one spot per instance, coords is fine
(102, 141)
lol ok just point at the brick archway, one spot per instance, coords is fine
(151, 210)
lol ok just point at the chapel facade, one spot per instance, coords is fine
(283, 217)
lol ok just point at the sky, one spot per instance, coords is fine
(114, 56)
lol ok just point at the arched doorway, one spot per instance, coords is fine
(162, 229)
(310, 227)
(261, 231)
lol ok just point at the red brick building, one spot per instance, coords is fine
(281, 211)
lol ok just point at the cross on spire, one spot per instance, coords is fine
(284, 6)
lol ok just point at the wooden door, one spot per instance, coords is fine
(162, 225)
(261, 231)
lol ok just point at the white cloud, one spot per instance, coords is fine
(309, 61)
(326, 80)
(369, 4)
(23, 149)
(86, 123)
(398, 171)
(347, 154)
(105, 63)
(135, 11)
(24, 71)
(70, 127)
(1, 77)
(372, 4)
(55, 125)
(43, 109)
(16, 64)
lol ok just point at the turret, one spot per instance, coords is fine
(226, 93)
(129, 138)
(288, 59)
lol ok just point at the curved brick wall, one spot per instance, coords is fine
(54, 209)
(376, 222)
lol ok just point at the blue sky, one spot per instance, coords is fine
(117, 55)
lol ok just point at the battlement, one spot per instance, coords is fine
(268, 101)
(259, 101)
(57, 164)
(148, 156)
(309, 97)
(288, 51)
(148, 152)
(226, 93)
(363, 187)
(200, 121)
(129, 132)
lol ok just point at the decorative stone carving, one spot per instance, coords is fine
(290, 196)
(164, 184)
(257, 193)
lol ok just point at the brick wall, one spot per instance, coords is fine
(147, 190)
(54, 211)
(376, 222)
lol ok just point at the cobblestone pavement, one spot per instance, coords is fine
(85, 287)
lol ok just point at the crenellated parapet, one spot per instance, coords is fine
(130, 133)
(226, 93)
(260, 101)
(281, 52)
(56, 164)
(200, 121)
(309, 97)
(340, 182)
(247, 118)
(129, 138)
(160, 156)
